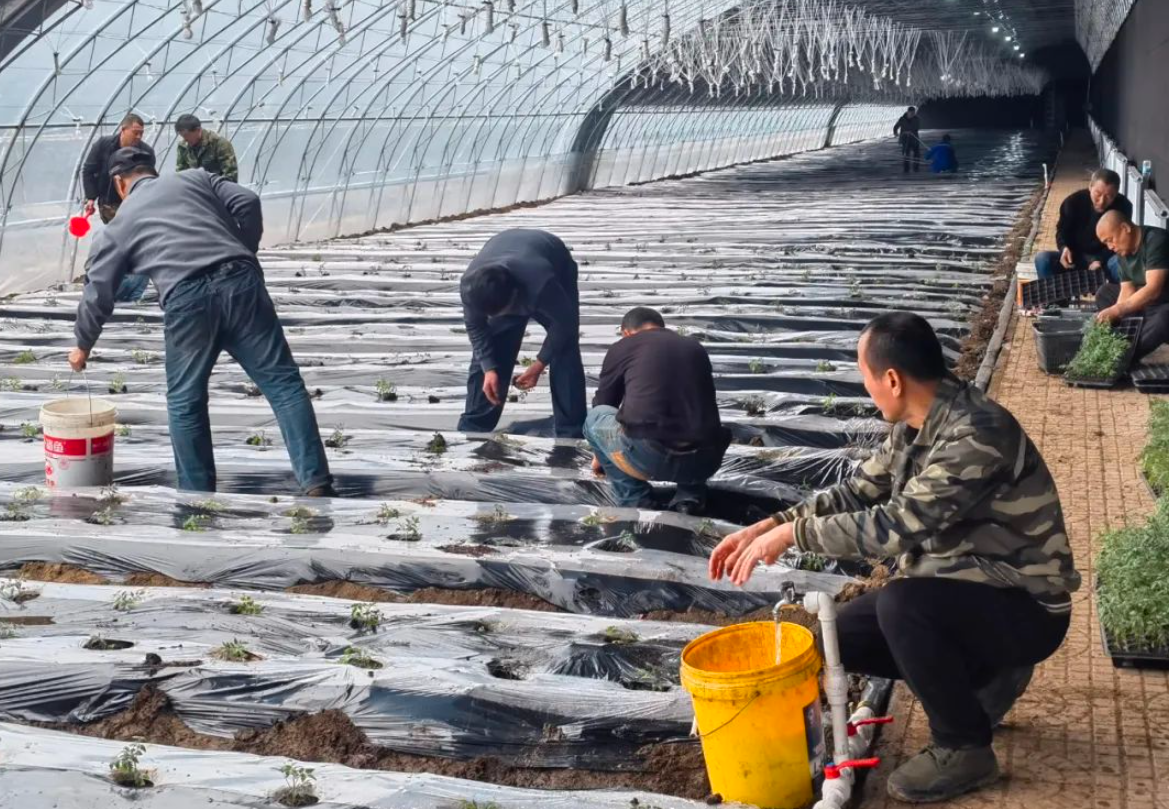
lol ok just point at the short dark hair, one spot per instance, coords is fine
(640, 316)
(912, 109)
(946, 138)
(1106, 176)
(131, 119)
(905, 342)
(188, 123)
(489, 289)
(131, 161)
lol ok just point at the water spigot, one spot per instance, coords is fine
(787, 598)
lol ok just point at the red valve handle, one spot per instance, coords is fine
(832, 771)
(877, 720)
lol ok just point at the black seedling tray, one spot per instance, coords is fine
(1130, 329)
(1063, 286)
(1151, 378)
(1128, 659)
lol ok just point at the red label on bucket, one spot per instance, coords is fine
(102, 444)
(71, 447)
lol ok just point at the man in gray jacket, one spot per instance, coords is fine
(195, 236)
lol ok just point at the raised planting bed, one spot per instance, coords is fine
(1105, 354)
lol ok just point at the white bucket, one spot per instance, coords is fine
(79, 442)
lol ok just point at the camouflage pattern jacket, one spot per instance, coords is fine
(214, 153)
(965, 497)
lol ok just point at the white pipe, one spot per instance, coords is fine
(836, 791)
(859, 742)
(835, 680)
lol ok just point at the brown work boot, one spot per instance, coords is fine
(324, 490)
(940, 773)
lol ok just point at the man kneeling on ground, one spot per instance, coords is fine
(1075, 232)
(1143, 253)
(962, 497)
(654, 415)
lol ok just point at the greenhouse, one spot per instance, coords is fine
(530, 403)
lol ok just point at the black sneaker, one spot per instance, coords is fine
(999, 695)
(940, 773)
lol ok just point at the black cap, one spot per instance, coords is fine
(130, 158)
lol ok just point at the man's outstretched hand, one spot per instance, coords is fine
(739, 553)
(531, 375)
(78, 358)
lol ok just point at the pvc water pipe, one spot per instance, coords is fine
(862, 726)
(838, 781)
(823, 607)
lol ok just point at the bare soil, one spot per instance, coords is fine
(487, 597)
(330, 736)
(468, 550)
(792, 615)
(874, 581)
(61, 573)
(151, 579)
(985, 321)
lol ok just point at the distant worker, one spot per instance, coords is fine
(943, 159)
(203, 149)
(655, 416)
(962, 498)
(907, 129)
(196, 236)
(1075, 232)
(522, 275)
(1144, 279)
(95, 173)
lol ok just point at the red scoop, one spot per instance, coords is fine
(79, 226)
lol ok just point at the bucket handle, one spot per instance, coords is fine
(738, 713)
(88, 393)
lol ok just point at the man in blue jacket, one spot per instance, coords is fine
(942, 157)
(522, 275)
(195, 236)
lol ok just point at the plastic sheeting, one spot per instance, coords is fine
(73, 773)
(553, 690)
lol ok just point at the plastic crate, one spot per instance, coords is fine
(1057, 339)
(1151, 378)
(1064, 286)
(1130, 328)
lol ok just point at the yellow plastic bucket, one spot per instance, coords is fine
(761, 725)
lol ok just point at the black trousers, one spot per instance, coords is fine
(910, 152)
(1155, 329)
(947, 638)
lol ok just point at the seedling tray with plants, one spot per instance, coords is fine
(1105, 354)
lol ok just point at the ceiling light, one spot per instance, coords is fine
(1016, 47)
(1007, 37)
(995, 29)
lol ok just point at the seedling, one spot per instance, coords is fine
(755, 406)
(813, 562)
(408, 530)
(1100, 354)
(103, 516)
(259, 439)
(143, 357)
(234, 651)
(706, 529)
(616, 636)
(196, 522)
(497, 517)
(682, 330)
(246, 606)
(526, 362)
(386, 391)
(299, 789)
(7, 631)
(251, 389)
(437, 444)
(365, 617)
(28, 494)
(352, 656)
(141, 326)
(111, 496)
(300, 525)
(1132, 569)
(25, 357)
(11, 384)
(387, 513)
(825, 367)
(124, 770)
(828, 404)
(126, 600)
(29, 431)
(122, 430)
(300, 511)
(212, 506)
(17, 592)
(1155, 455)
(756, 366)
(337, 439)
(595, 519)
(854, 289)
(117, 384)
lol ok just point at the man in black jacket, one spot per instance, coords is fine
(100, 193)
(655, 416)
(522, 275)
(908, 129)
(1075, 233)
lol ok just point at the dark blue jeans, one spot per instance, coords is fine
(1047, 265)
(228, 309)
(630, 463)
(567, 381)
(132, 288)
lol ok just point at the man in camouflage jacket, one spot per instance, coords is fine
(202, 149)
(961, 498)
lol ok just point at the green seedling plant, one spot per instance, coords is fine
(259, 439)
(104, 516)
(126, 600)
(196, 522)
(15, 512)
(300, 511)
(358, 658)
(755, 406)
(125, 770)
(28, 494)
(300, 525)
(757, 366)
(1100, 354)
(299, 788)
(117, 384)
(234, 651)
(29, 431)
(828, 404)
(209, 505)
(616, 636)
(11, 384)
(386, 513)
(386, 391)
(337, 439)
(122, 430)
(408, 530)
(110, 496)
(1155, 455)
(25, 357)
(247, 606)
(17, 591)
(1132, 569)
(595, 519)
(437, 444)
(7, 631)
(497, 516)
(824, 367)
(143, 357)
(365, 617)
(813, 562)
